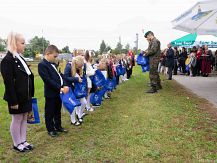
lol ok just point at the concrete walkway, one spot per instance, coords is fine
(203, 87)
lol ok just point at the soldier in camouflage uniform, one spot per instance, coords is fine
(153, 52)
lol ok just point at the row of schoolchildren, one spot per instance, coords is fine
(97, 80)
(19, 86)
(84, 85)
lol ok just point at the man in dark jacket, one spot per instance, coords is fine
(170, 61)
(153, 52)
(182, 58)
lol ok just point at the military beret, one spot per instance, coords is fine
(147, 33)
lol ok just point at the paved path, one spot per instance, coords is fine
(203, 87)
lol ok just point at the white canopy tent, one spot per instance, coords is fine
(200, 19)
(209, 40)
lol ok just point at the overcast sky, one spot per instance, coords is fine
(84, 23)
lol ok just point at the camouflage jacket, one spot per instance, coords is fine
(154, 51)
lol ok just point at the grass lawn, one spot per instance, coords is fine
(131, 127)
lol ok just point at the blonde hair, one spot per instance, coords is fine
(77, 60)
(12, 41)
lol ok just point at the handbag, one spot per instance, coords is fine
(143, 68)
(96, 98)
(114, 82)
(119, 70)
(109, 84)
(98, 79)
(69, 100)
(81, 89)
(142, 60)
(123, 71)
(33, 116)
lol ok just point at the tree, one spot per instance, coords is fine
(118, 49)
(38, 45)
(102, 47)
(107, 48)
(2, 45)
(28, 51)
(65, 49)
(126, 49)
(97, 53)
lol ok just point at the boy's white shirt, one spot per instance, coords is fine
(61, 79)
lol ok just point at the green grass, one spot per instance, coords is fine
(130, 127)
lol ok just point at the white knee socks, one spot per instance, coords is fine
(82, 107)
(18, 129)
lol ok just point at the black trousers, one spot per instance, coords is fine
(198, 67)
(53, 113)
(170, 72)
(117, 79)
(182, 64)
(129, 73)
(175, 68)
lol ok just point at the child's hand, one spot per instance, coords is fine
(79, 80)
(65, 89)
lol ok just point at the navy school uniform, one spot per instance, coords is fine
(19, 86)
(52, 86)
(71, 79)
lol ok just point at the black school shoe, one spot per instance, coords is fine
(61, 129)
(53, 134)
(76, 123)
(30, 146)
(80, 120)
(20, 150)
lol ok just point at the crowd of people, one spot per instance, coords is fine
(81, 69)
(197, 61)
(19, 85)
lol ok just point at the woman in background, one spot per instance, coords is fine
(206, 61)
(182, 58)
(199, 61)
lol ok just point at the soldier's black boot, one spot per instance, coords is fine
(152, 90)
(159, 86)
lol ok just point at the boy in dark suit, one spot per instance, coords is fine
(53, 85)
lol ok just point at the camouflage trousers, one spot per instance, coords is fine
(154, 75)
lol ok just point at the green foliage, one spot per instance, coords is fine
(38, 45)
(126, 49)
(96, 53)
(2, 45)
(65, 50)
(28, 51)
(108, 48)
(118, 50)
(119, 47)
(102, 47)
